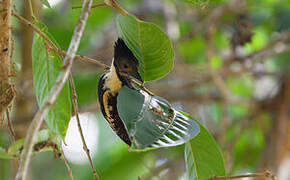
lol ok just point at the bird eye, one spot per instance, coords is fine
(125, 66)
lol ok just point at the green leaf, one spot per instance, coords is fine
(44, 29)
(149, 44)
(46, 3)
(259, 40)
(86, 87)
(46, 65)
(151, 122)
(202, 156)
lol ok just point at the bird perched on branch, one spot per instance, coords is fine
(124, 66)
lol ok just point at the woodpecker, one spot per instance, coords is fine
(124, 64)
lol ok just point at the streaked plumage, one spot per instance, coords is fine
(124, 62)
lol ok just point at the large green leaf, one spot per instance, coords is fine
(203, 156)
(151, 121)
(149, 44)
(46, 67)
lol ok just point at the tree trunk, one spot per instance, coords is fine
(6, 89)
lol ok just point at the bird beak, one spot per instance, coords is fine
(136, 75)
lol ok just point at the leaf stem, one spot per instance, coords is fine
(115, 5)
(93, 6)
(67, 166)
(266, 174)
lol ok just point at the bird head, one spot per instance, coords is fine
(126, 64)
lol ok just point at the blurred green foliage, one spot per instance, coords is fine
(241, 134)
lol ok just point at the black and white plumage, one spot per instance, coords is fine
(124, 63)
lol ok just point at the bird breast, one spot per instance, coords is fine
(112, 82)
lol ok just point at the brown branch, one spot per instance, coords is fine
(115, 5)
(93, 6)
(10, 127)
(12, 47)
(51, 97)
(90, 60)
(6, 89)
(111, 3)
(67, 167)
(31, 25)
(278, 145)
(76, 111)
(53, 46)
(266, 174)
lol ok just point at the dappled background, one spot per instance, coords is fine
(232, 73)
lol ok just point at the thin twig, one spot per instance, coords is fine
(67, 167)
(60, 52)
(115, 5)
(31, 25)
(93, 6)
(266, 174)
(10, 127)
(54, 91)
(76, 111)
(90, 60)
